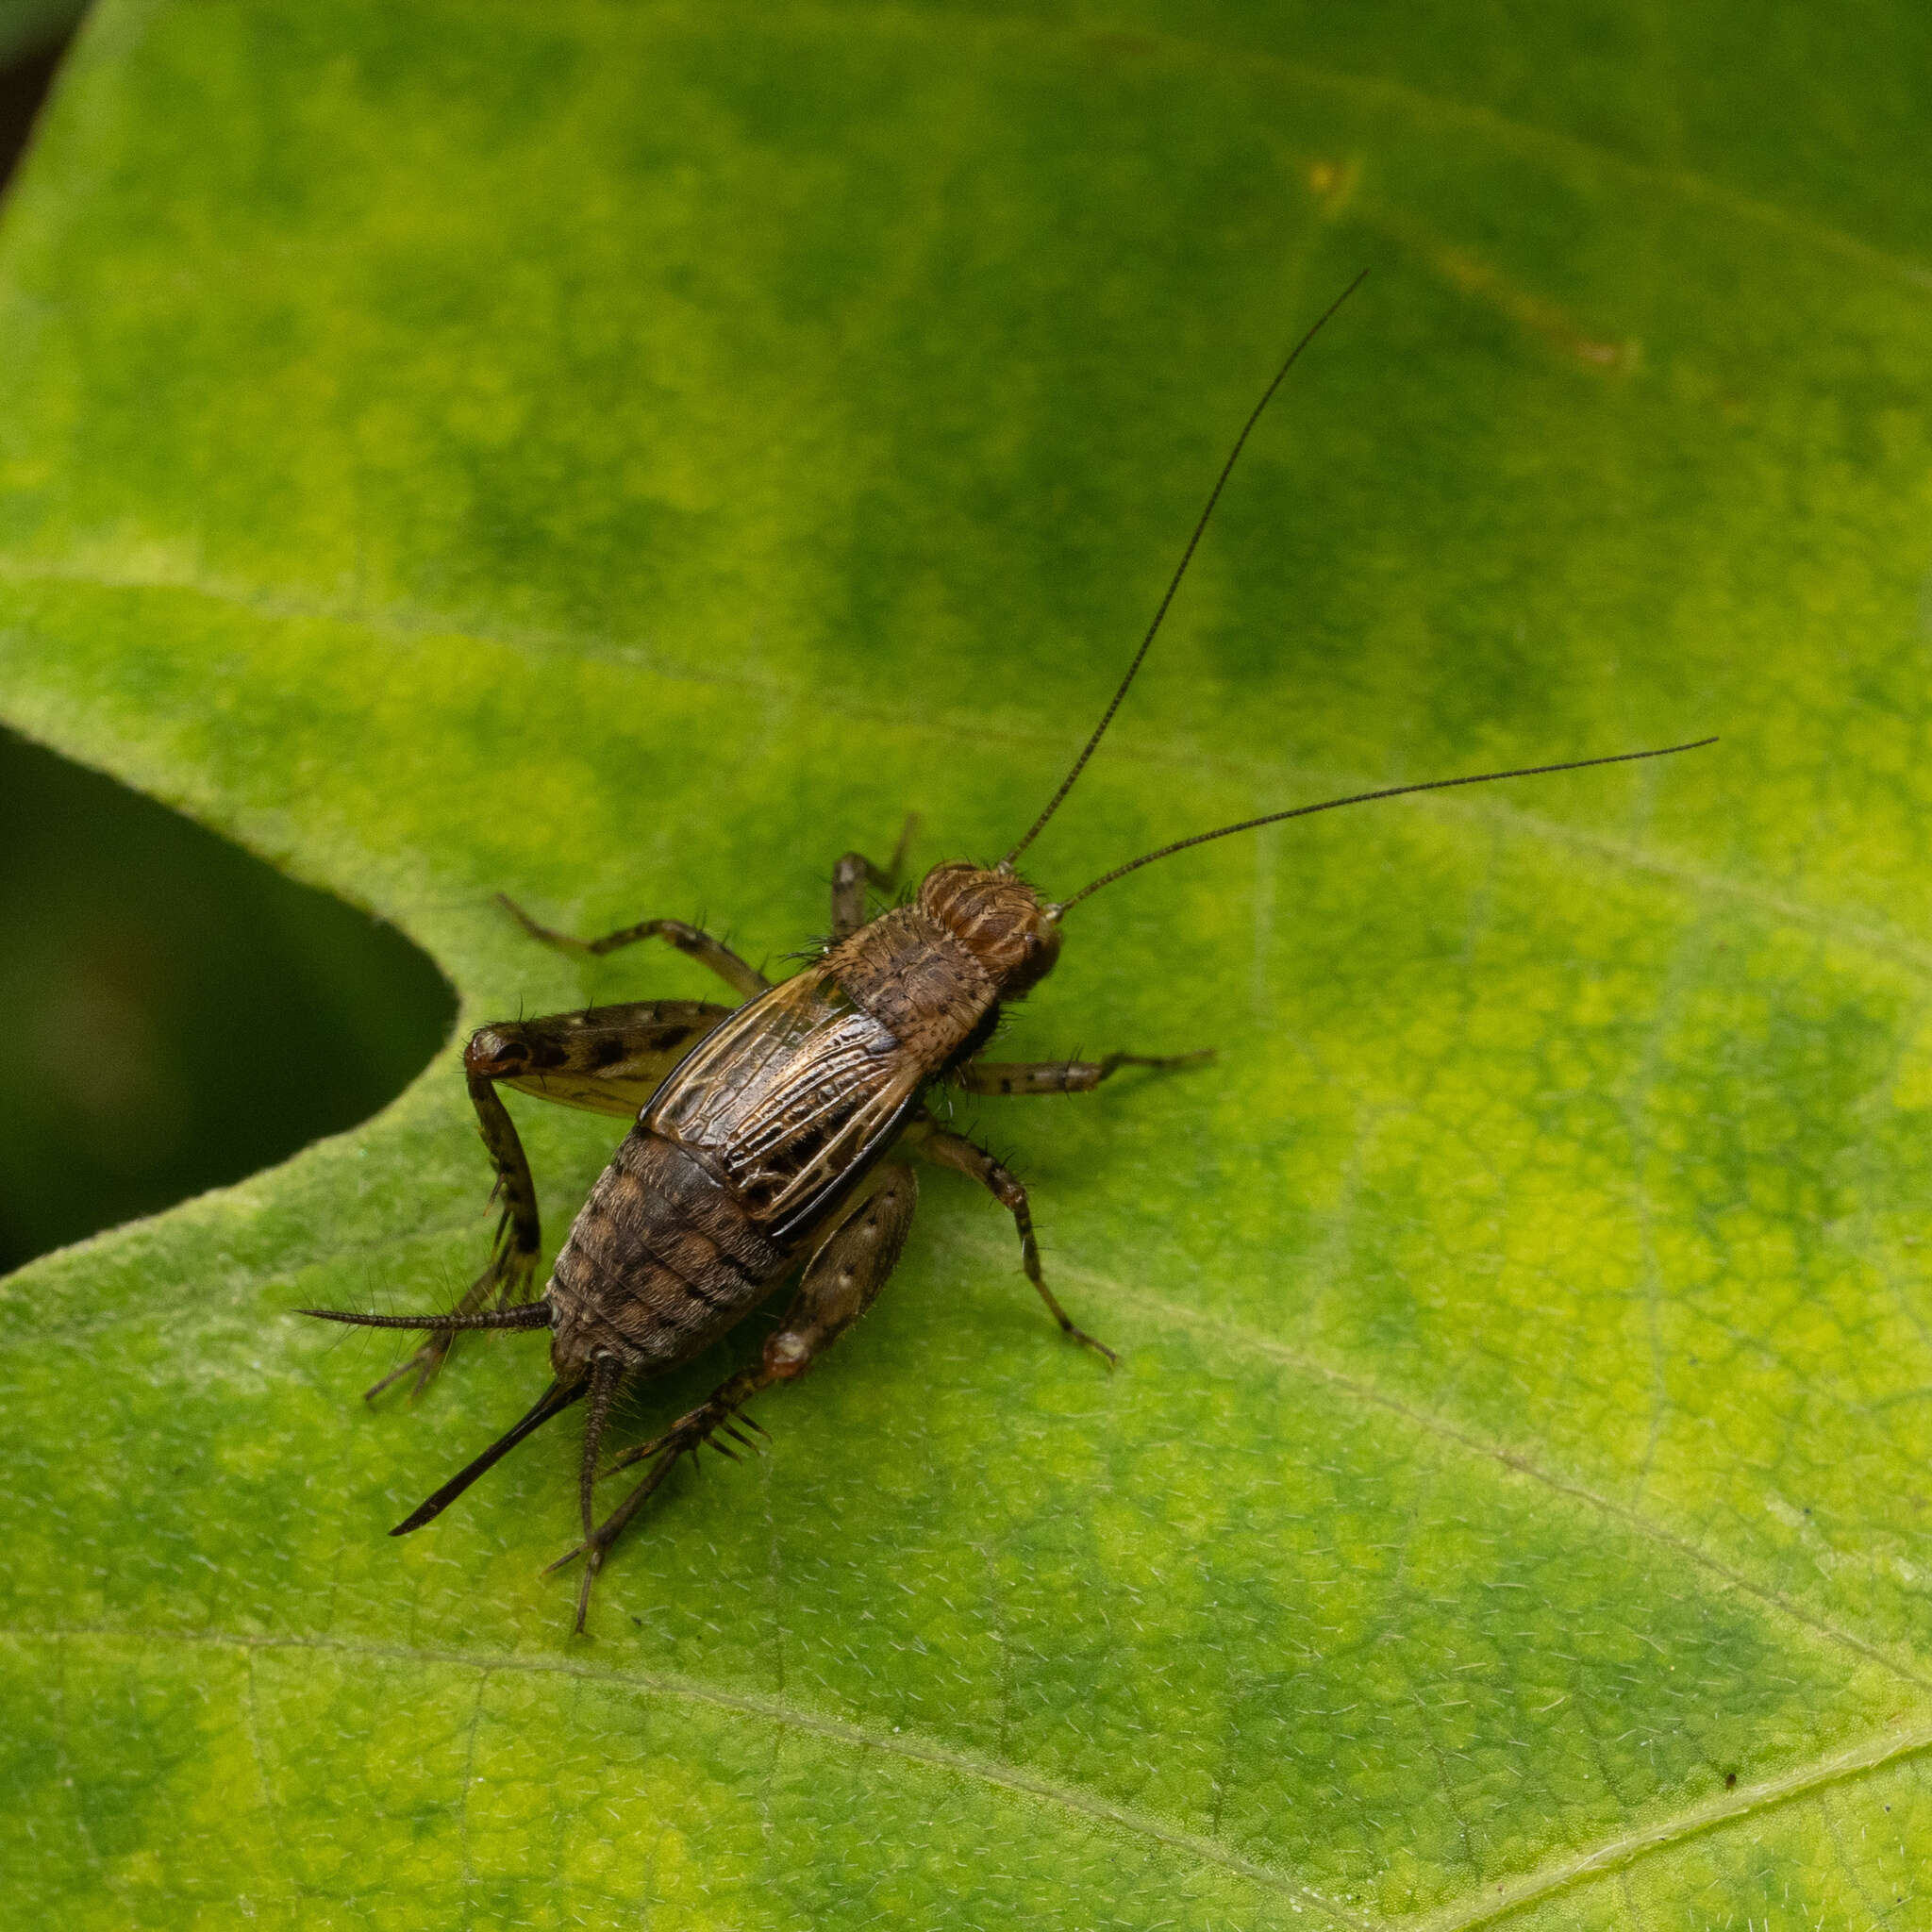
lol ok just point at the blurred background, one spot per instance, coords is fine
(179, 1013)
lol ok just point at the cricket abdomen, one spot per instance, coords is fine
(661, 1260)
(758, 1137)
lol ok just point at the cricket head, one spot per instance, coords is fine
(999, 919)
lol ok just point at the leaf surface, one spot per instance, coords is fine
(625, 455)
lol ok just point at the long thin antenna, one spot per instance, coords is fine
(1302, 811)
(1052, 804)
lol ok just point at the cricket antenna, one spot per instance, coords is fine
(1052, 804)
(1302, 811)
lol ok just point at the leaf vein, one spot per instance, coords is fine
(857, 1737)
(1239, 1339)
(1856, 928)
(1875, 1754)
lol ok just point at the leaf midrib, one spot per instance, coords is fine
(1878, 1752)
(914, 1747)
(1880, 1749)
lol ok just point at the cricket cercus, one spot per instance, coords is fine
(773, 1138)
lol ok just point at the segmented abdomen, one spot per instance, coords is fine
(660, 1261)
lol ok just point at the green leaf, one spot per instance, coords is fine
(625, 455)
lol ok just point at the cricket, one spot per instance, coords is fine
(774, 1138)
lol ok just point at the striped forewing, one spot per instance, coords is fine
(792, 1100)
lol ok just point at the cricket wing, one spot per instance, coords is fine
(793, 1100)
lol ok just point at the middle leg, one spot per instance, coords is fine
(944, 1148)
(690, 939)
(1061, 1077)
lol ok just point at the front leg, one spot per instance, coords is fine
(855, 872)
(944, 1148)
(688, 940)
(1061, 1077)
(841, 1282)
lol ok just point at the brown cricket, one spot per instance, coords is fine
(772, 1139)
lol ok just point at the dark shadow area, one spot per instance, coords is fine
(178, 1014)
(24, 86)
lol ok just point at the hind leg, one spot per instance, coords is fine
(607, 1059)
(841, 1282)
(512, 1264)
